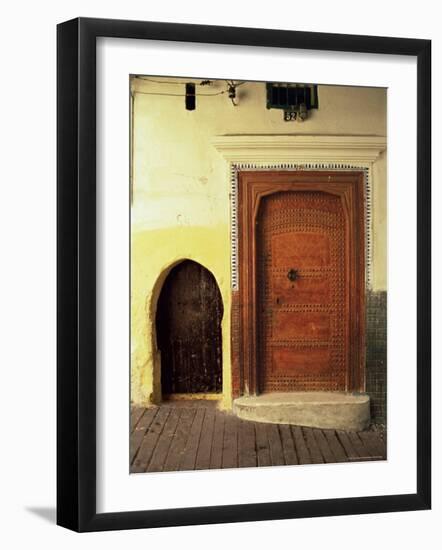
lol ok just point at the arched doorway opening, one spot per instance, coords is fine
(188, 328)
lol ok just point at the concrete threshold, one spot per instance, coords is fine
(328, 410)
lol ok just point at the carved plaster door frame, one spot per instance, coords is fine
(292, 153)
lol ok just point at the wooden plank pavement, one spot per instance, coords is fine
(187, 436)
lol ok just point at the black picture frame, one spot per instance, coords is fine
(77, 287)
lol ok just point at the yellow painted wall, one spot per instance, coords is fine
(181, 206)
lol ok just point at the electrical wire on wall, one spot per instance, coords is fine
(190, 90)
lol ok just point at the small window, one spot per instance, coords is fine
(290, 97)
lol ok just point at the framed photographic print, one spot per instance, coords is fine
(243, 274)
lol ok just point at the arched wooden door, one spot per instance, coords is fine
(301, 281)
(188, 325)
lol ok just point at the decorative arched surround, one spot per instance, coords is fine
(293, 153)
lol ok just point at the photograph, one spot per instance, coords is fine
(219, 248)
(258, 273)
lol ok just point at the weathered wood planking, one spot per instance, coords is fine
(246, 445)
(205, 443)
(164, 441)
(335, 446)
(276, 452)
(288, 445)
(374, 444)
(140, 431)
(216, 457)
(350, 451)
(230, 445)
(262, 445)
(359, 446)
(315, 453)
(189, 457)
(135, 415)
(301, 446)
(149, 442)
(189, 436)
(324, 447)
(179, 441)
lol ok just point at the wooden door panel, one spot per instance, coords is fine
(301, 361)
(302, 291)
(296, 249)
(298, 325)
(308, 290)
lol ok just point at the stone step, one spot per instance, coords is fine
(334, 410)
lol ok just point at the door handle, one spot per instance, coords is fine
(292, 274)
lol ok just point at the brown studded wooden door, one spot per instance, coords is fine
(303, 291)
(188, 325)
(300, 305)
